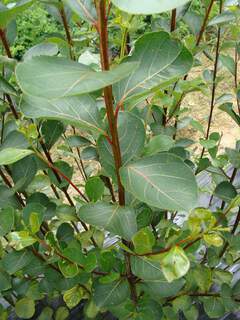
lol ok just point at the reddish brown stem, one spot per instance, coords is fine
(205, 20)
(108, 96)
(112, 122)
(174, 20)
(214, 81)
(5, 43)
(67, 31)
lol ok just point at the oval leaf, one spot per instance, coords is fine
(163, 181)
(58, 77)
(160, 60)
(11, 155)
(148, 6)
(78, 111)
(116, 219)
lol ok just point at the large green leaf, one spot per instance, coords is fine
(163, 181)
(7, 14)
(154, 281)
(11, 155)
(111, 294)
(80, 111)
(160, 60)
(16, 260)
(85, 9)
(131, 134)
(53, 77)
(148, 6)
(116, 219)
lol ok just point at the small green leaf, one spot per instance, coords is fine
(34, 222)
(11, 155)
(62, 313)
(213, 239)
(111, 277)
(69, 270)
(25, 308)
(20, 240)
(158, 143)
(73, 296)
(175, 264)
(94, 188)
(143, 241)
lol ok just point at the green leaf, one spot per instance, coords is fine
(158, 143)
(222, 18)
(116, 219)
(201, 219)
(23, 172)
(73, 296)
(20, 240)
(106, 295)
(46, 314)
(131, 134)
(6, 221)
(6, 87)
(25, 308)
(213, 239)
(15, 261)
(111, 277)
(225, 191)
(160, 61)
(228, 63)
(66, 169)
(228, 108)
(41, 49)
(69, 270)
(143, 241)
(94, 188)
(148, 6)
(81, 111)
(163, 181)
(59, 77)
(8, 14)
(84, 9)
(51, 131)
(213, 307)
(5, 281)
(234, 157)
(175, 264)
(154, 281)
(62, 313)
(11, 155)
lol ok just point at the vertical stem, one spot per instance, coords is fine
(236, 78)
(174, 20)
(199, 38)
(67, 31)
(5, 43)
(214, 85)
(108, 96)
(112, 122)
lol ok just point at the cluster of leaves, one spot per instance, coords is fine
(102, 204)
